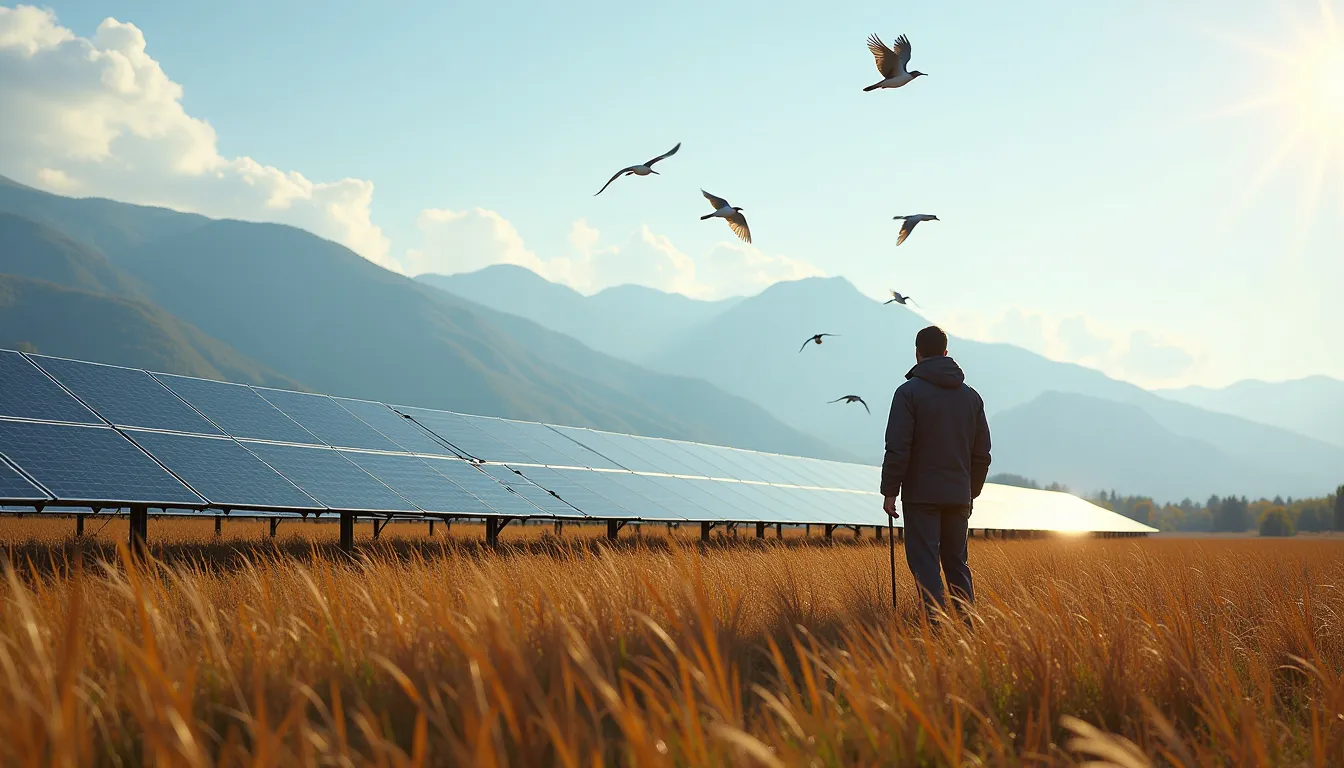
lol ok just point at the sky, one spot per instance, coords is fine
(1156, 192)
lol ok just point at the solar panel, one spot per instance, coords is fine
(237, 410)
(667, 503)
(681, 452)
(394, 427)
(127, 397)
(414, 479)
(456, 431)
(704, 500)
(508, 433)
(221, 470)
(28, 393)
(651, 454)
(583, 457)
(596, 441)
(544, 500)
(330, 478)
(13, 486)
(791, 470)
(327, 420)
(484, 487)
(572, 485)
(87, 464)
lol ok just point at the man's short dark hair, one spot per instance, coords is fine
(931, 342)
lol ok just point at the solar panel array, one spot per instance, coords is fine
(85, 434)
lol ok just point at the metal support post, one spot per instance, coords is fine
(139, 533)
(877, 532)
(347, 531)
(79, 525)
(613, 528)
(219, 525)
(275, 523)
(705, 528)
(559, 527)
(779, 530)
(760, 530)
(830, 529)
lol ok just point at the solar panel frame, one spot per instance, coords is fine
(419, 483)
(27, 392)
(125, 397)
(332, 479)
(465, 437)
(16, 489)
(498, 496)
(237, 410)
(326, 420)
(224, 473)
(62, 457)
(403, 432)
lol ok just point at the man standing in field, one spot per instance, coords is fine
(937, 460)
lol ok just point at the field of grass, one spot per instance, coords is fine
(656, 651)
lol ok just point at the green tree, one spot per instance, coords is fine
(1142, 511)
(1276, 522)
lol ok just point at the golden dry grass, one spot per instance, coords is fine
(658, 652)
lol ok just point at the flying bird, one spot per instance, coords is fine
(730, 213)
(639, 170)
(815, 339)
(892, 63)
(909, 224)
(853, 399)
(899, 299)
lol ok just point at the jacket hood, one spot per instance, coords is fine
(939, 371)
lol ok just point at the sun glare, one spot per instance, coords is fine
(1303, 93)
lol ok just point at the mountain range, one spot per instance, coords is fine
(750, 347)
(262, 303)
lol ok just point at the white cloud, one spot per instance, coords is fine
(464, 241)
(99, 116)
(1138, 355)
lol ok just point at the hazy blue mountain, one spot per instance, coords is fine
(752, 349)
(629, 321)
(1092, 444)
(109, 329)
(107, 225)
(36, 251)
(1313, 406)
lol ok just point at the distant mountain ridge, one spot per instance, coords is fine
(1313, 405)
(326, 319)
(751, 348)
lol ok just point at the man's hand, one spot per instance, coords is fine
(889, 506)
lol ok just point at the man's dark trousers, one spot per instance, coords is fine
(935, 535)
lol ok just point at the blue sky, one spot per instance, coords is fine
(1101, 198)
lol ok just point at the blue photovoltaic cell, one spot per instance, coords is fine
(127, 397)
(722, 498)
(807, 506)
(413, 478)
(485, 488)
(28, 393)
(330, 478)
(650, 454)
(665, 503)
(576, 486)
(508, 433)
(221, 470)
(327, 420)
(792, 470)
(13, 486)
(237, 410)
(91, 464)
(684, 455)
(596, 441)
(581, 456)
(394, 426)
(465, 437)
(541, 497)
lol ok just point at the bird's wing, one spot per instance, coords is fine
(739, 224)
(888, 301)
(665, 155)
(838, 399)
(903, 52)
(805, 343)
(886, 59)
(906, 229)
(860, 401)
(828, 334)
(616, 176)
(717, 202)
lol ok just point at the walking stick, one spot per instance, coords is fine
(891, 543)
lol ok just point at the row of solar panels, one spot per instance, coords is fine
(78, 433)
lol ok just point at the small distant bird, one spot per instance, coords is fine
(899, 299)
(854, 399)
(816, 339)
(910, 222)
(639, 170)
(892, 63)
(730, 213)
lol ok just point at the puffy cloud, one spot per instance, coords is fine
(99, 116)
(1137, 355)
(467, 240)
